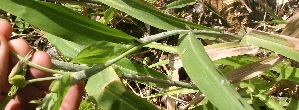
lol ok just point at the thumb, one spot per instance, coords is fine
(4, 57)
(5, 32)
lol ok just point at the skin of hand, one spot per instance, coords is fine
(35, 90)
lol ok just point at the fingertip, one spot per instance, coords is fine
(43, 59)
(20, 46)
(5, 28)
(73, 97)
(4, 62)
(13, 105)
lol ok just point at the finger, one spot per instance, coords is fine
(43, 59)
(24, 96)
(73, 97)
(12, 105)
(5, 29)
(5, 32)
(4, 56)
(20, 47)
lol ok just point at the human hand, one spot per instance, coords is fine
(32, 91)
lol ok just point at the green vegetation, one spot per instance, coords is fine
(154, 54)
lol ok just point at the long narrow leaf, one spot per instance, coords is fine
(207, 77)
(252, 70)
(150, 15)
(284, 45)
(178, 4)
(63, 22)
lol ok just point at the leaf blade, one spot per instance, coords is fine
(151, 16)
(109, 93)
(209, 81)
(63, 22)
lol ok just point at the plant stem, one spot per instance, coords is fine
(155, 80)
(38, 66)
(88, 72)
(43, 79)
(83, 74)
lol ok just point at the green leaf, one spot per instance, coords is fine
(108, 16)
(294, 104)
(151, 16)
(53, 100)
(100, 52)
(207, 106)
(63, 22)
(252, 70)
(151, 1)
(255, 87)
(64, 84)
(234, 62)
(129, 67)
(67, 48)
(287, 72)
(110, 94)
(179, 4)
(284, 45)
(207, 77)
(173, 92)
(165, 48)
(48, 102)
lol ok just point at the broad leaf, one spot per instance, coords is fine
(206, 76)
(100, 52)
(63, 22)
(110, 94)
(150, 15)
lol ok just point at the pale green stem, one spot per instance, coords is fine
(160, 81)
(80, 75)
(83, 74)
(38, 66)
(43, 79)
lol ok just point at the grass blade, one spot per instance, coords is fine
(63, 22)
(151, 16)
(253, 69)
(284, 45)
(110, 94)
(178, 4)
(207, 77)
